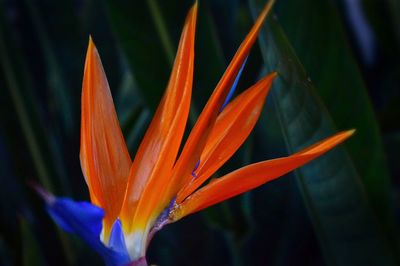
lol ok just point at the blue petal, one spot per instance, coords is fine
(117, 239)
(89, 216)
(85, 220)
(195, 168)
(233, 88)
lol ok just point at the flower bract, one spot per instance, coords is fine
(167, 180)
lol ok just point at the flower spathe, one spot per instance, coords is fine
(132, 200)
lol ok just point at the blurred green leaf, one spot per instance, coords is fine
(159, 22)
(383, 76)
(384, 17)
(320, 42)
(38, 138)
(136, 127)
(343, 220)
(210, 62)
(4, 253)
(133, 116)
(19, 101)
(128, 97)
(31, 255)
(134, 26)
(57, 84)
(392, 144)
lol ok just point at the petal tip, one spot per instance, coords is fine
(268, 79)
(350, 132)
(266, 9)
(269, 5)
(193, 9)
(91, 42)
(195, 5)
(90, 50)
(47, 196)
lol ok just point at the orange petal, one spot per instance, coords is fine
(253, 175)
(231, 129)
(198, 136)
(157, 153)
(104, 156)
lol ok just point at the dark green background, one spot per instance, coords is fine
(342, 209)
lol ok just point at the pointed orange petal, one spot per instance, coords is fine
(104, 156)
(254, 175)
(198, 136)
(231, 129)
(157, 153)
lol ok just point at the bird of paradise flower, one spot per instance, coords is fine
(131, 201)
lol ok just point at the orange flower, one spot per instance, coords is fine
(162, 186)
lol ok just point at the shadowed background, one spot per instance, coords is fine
(338, 65)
